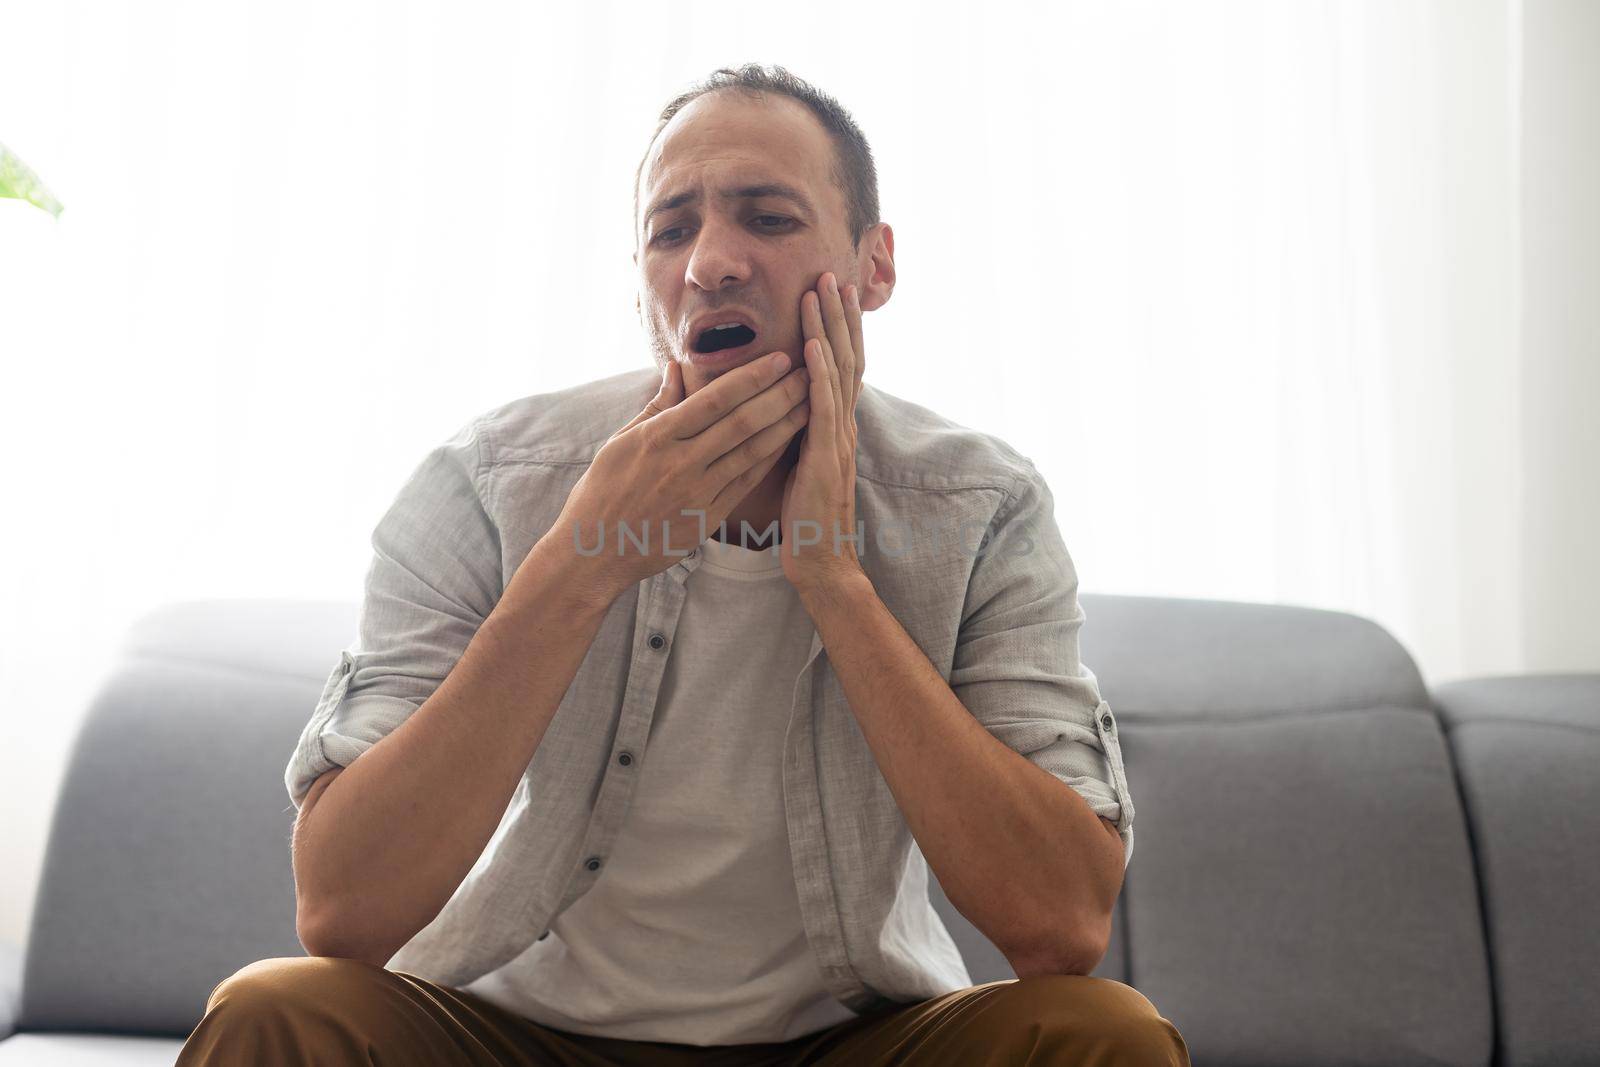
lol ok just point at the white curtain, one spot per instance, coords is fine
(1241, 278)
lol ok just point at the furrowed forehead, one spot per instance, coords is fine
(753, 187)
(762, 140)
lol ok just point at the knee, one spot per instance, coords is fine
(290, 1009)
(1101, 1020)
(287, 983)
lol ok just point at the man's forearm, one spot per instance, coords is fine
(393, 836)
(1017, 852)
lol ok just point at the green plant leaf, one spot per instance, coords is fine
(21, 183)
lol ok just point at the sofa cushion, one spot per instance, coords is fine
(1527, 749)
(1306, 895)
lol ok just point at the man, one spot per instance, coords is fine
(669, 691)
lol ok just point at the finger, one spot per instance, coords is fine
(672, 392)
(824, 393)
(814, 297)
(811, 317)
(737, 489)
(669, 393)
(751, 417)
(776, 436)
(708, 405)
(833, 316)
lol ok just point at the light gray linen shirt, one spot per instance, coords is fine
(959, 539)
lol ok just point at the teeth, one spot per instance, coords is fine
(727, 325)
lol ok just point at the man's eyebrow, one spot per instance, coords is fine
(744, 192)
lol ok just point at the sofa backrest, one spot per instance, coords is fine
(167, 867)
(1302, 888)
(1301, 891)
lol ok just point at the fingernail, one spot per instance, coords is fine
(780, 360)
(833, 284)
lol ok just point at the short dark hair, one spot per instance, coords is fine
(853, 168)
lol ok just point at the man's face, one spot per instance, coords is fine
(752, 219)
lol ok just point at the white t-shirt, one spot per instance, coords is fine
(692, 933)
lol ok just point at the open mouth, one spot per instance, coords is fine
(729, 335)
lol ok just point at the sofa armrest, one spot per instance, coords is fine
(10, 988)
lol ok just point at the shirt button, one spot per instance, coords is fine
(1105, 720)
(594, 863)
(657, 642)
(625, 759)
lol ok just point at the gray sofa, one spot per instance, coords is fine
(1334, 866)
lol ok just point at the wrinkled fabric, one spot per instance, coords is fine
(957, 534)
(694, 933)
(321, 1011)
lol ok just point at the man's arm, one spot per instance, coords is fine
(393, 834)
(313, 794)
(1018, 852)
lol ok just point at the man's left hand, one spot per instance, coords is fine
(819, 498)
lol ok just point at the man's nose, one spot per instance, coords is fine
(718, 258)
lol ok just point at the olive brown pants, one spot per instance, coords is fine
(318, 1011)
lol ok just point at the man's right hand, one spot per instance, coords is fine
(701, 455)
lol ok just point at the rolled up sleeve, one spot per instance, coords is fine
(1016, 665)
(435, 575)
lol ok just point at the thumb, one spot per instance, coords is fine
(667, 396)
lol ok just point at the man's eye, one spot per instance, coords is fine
(673, 234)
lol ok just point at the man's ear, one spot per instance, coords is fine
(876, 276)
